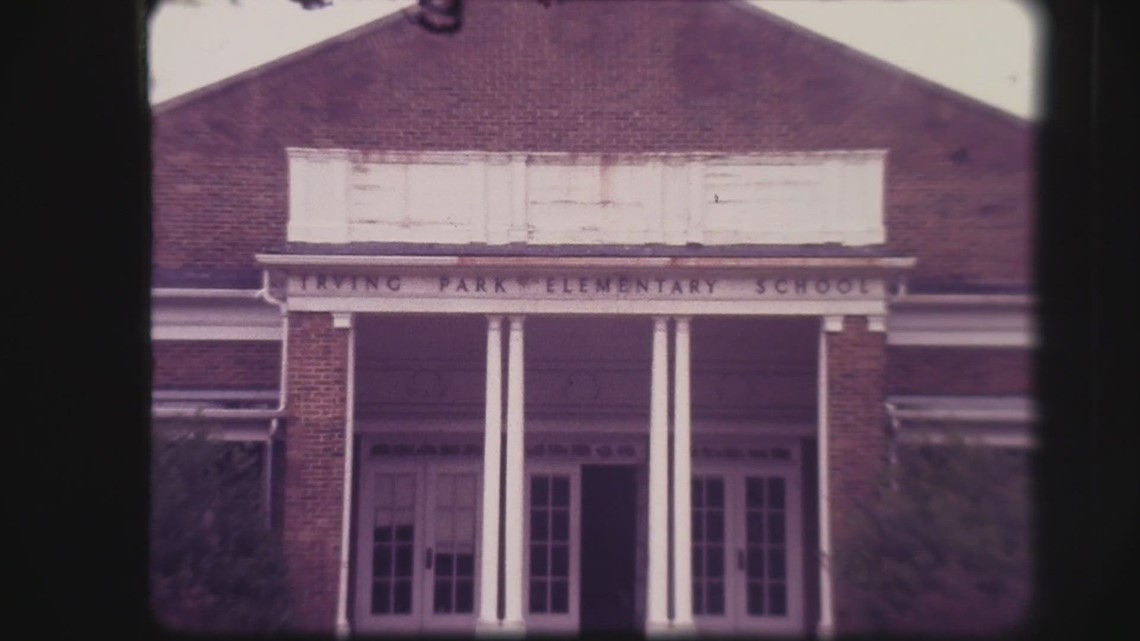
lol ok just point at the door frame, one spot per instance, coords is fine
(421, 618)
(567, 623)
(736, 618)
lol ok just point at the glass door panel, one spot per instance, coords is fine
(708, 536)
(746, 550)
(453, 590)
(765, 537)
(389, 534)
(551, 599)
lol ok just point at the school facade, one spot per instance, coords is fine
(601, 314)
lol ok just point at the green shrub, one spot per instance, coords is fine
(945, 545)
(215, 565)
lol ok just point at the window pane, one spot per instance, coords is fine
(405, 491)
(716, 598)
(560, 525)
(539, 491)
(382, 561)
(404, 533)
(754, 491)
(538, 596)
(465, 490)
(560, 492)
(698, 495)
(716, 493)
(445, 490)
(755, 526)
(538, 525)
(443, 564)
(442, 595)
(538, 562)
(465, 565)
(777, 599)
(382, 534)
(383, 490)
(715, 564)
(698, 532)
(404, 560)
(402, 597)
(381, 597)
(698, 562)
(698, 599)
(444, 526)
(755, 597)
(464, 596)
(716, 527)
(776, 492)
(776, 528)
(560, 561)
(559, 597)
(465, 525)
(776, 563)
(755, 563)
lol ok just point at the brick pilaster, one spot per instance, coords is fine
(857, 434)
(314, 466)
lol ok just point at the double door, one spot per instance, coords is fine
(747, 553)
(418, 546)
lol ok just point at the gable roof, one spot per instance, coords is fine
(400, 20)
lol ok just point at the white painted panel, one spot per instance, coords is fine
(443, 194)
(378, 193)
(465, 197)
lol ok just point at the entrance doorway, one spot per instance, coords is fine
(609, 513)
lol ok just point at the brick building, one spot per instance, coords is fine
(602, 314)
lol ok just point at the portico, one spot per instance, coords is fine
(554, 381)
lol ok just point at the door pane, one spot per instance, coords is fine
(454, 543)
(708, 545)
(549, 549)
(393, 527)
(765, 535)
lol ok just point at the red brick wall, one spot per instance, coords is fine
(629, 76)
(857, 434)
(314, 466)
(216, 365)
(956, 370)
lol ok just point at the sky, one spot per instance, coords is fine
(988, 49)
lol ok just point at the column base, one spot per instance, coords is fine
(825, 631)
(670, 629)
(489, 629)
(343, 630)
(512, 629)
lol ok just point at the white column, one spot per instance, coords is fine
(826, 617)
(492, 436)
(682, 479)
(657, 572)
(513, 509)
(344, 321)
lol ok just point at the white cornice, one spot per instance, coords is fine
(196, 292)
(599, 262)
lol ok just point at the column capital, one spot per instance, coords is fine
(494, 321)
(516, 319)
(683, 323)
(833, 323)
(660, 323)
(342, 320)
(876, 323)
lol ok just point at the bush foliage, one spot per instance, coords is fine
(945, 546)
(215, 565)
